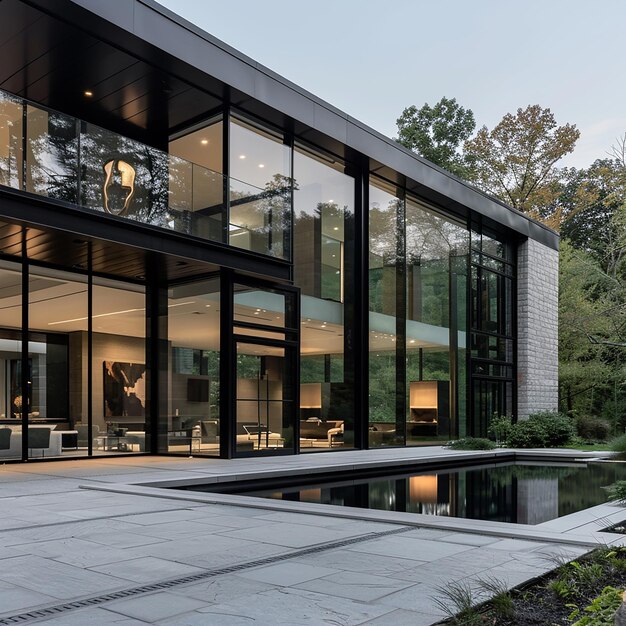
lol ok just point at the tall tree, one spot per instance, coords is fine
(516, 161)
(437, 133)
(589, 200)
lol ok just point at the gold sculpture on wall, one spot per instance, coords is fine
(122, 173)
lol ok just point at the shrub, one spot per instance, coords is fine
(617, 491)
(471, 443)
(592, 428)
(545, 429)
(618, 444)
(526, 434)
(499, 428)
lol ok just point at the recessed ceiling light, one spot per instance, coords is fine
(242, 156)
(204, 142)
(336, 228)
(261, 165)
(412, 341)
(89, 93)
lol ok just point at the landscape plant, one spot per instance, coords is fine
(618, 444)
(545, 429)
(471, 443)
(583, 592)
(499, 428)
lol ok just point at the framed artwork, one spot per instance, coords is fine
(124, 389)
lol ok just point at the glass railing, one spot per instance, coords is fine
(57, 156)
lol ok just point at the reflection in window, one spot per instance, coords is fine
(323, 215)
(11, 169)
(52, 154)
(436, 254)
(260, 190)
(386, 210)
(196, 184)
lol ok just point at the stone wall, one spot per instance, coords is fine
(537, 327)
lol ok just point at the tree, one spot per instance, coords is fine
(437, 133)
(516, 160)
(588, 201)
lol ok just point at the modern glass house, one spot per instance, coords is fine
(199, 257)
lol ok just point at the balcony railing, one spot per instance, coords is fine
(57, 156)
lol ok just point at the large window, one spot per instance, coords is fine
(386, 316)
(260, 190)
(119, 368)
(57, 350)
(323, 267)
(11, 135)
(196, 184)
(193, 413)
(436, 338)
(10, 361)
(492, 336)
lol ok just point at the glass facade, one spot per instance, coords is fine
(224, 363)
(436, 329)
(492, 362)
(260, 190)
(387, 422)
(193, 346)
(324, 271)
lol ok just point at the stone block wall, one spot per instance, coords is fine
(537, 328)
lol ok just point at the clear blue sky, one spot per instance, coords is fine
(374, 58)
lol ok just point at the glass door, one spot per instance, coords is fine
(265, 367)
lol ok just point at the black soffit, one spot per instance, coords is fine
(67, 251)
(54, 63)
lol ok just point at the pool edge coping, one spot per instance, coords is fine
(578, 528)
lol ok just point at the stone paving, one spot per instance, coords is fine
(61, 543)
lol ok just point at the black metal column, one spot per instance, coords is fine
(228, 364)
(156, 357)
(24, 368)
(359, 333)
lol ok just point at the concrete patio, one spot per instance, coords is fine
(88, 542)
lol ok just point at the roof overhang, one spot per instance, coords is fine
(158, 72)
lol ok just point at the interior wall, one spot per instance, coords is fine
(112, 348)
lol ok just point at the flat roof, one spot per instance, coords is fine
(173, 44)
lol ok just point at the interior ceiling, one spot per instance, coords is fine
(64, 250)
(54, 63)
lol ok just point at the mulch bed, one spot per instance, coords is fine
(539, 605)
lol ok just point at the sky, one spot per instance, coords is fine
(374, 58)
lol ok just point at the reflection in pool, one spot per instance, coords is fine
(519, 493)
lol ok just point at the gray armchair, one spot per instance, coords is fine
(39, 439)
(5, 438)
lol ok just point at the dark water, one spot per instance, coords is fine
(525, 494)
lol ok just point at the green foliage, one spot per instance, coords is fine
(545, 429)
(617, 491)
(501, 601)
(499, 428)
(592, 428)
(618, 444)
(437, 133)
(471, 443)
(563, 588)
(601, 611)
(457, 601)
(516, 160)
